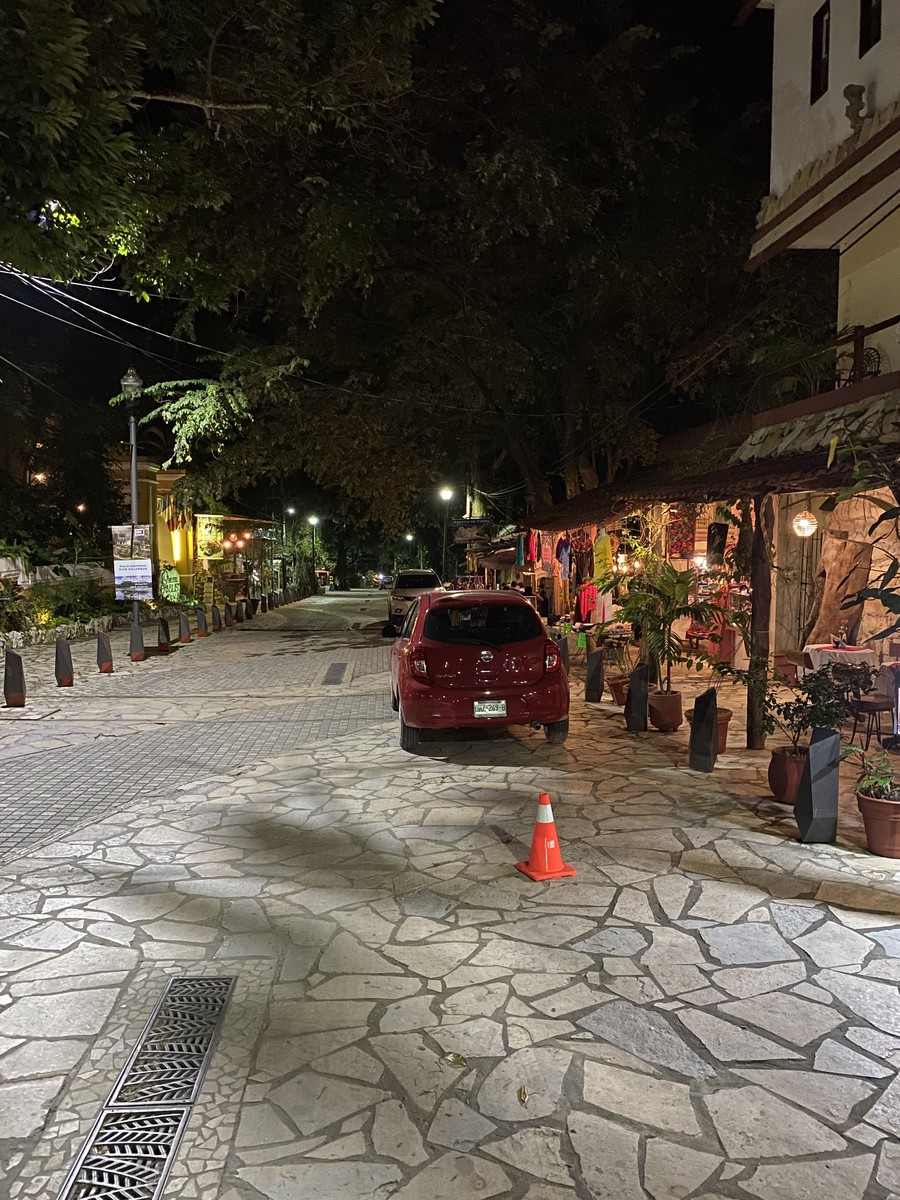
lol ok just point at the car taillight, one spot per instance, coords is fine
(551, 657)
(418, 665)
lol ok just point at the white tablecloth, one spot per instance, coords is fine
(821, 656)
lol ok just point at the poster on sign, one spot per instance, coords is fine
(134, 578)
(210, 535)
(132, 562)
(131, 541)
(471, 531)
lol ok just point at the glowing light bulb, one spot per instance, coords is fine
(804, 524)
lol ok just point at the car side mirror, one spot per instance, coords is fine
(389, 630)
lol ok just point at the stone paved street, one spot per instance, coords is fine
(708, 1010)
(196, 710)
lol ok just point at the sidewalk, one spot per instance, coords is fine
(707, 1010)
(248, 693)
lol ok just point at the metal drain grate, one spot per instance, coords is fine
(335, 673)
(132, 1146)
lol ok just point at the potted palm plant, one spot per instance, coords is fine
(815, 704)
(658, 600)
(878, 799)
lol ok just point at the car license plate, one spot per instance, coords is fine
(490, 708)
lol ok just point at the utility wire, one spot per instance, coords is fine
(81, 328)
(171, 337)
(57, 300)
(34, 378)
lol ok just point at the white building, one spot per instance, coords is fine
(835, 173)
(835, 185)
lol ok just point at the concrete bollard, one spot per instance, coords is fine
(216, 619)
(14, 680)
(184, 629)
(136, 651)
(202, 623)
(263, 604)
(239, 611)
(64, 670)
(104, 654)
(163, 636)
(248, 610)
(229, 615)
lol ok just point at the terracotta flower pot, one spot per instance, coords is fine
(723, 718)
(665, 711)
(785, 772)
(882, 821)
(618, 685)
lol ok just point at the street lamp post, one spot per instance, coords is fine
(313, 523)
(131, 383)
(446, 495)
(291, 512)
(288, 512)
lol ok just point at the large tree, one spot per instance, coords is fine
(469, 247)
(118, 114)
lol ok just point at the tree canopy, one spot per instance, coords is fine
(500, 240)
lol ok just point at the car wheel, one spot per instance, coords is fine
(409, 737)
(557, 731)
(395, 701)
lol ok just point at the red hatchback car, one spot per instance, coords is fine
(465, 660)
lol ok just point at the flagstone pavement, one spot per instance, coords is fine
(707, 1010)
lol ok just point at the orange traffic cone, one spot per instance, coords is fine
(545, 860)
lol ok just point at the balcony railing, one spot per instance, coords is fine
(860, 361)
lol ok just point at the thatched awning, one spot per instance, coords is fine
(794, 473)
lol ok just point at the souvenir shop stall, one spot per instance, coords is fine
(704, 537)
(566, 567)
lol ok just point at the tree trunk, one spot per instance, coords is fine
(760, 617)
(340, 560)
(538, 489)
(588, 472)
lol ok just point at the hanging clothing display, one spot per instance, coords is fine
(520, 550)
(582, 557)
(586, 603)
(533, 548)
(603, 553)
(564, 555)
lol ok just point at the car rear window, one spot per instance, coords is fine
(497, 624)
(417, 579)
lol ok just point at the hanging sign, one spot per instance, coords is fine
(134, 578)
(471, 531)
(132, 562)
(131, 541)
(209, 536)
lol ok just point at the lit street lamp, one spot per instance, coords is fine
(411, 537)
(446, 495)
(131, 383)
(290, 511)
(314, 522)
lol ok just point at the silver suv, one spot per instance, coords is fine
(408, 586)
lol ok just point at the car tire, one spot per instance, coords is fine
(395, 701)
(557, 731)
(409, 737)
